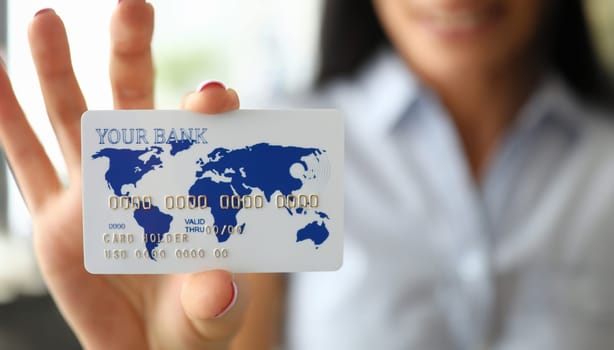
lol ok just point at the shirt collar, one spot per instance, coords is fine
(386, 90)
(553, 101)
(380, 95)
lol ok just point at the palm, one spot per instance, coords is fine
(121, 312)
(106, 311)
(58, 243)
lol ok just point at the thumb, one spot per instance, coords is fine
(211, 97)
(214, 303)
(212, 300)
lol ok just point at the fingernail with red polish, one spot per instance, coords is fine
(209, 83)
(233, 300)
(41, 11)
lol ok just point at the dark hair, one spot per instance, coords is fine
(351, 34)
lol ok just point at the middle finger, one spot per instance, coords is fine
(131, 68)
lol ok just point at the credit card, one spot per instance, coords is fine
(245, 191)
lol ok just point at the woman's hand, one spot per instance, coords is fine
(107, 311)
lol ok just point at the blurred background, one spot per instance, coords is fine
(263, 49)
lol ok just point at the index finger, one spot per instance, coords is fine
(211, 97)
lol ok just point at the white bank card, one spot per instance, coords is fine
(246, 191)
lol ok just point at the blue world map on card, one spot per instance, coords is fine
(263, 167)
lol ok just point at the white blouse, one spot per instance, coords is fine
(526, 261)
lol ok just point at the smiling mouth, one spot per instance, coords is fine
(463, 22)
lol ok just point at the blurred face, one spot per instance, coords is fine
(446, 38)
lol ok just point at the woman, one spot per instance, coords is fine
(470, 149)
(477, 192)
